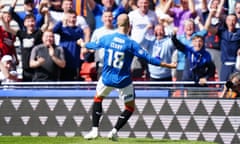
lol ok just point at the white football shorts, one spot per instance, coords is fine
(126, 94)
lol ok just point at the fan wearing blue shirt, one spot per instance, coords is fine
(229, 36)
(198, 65)
(119, 51)
(98, 9)
(69, 34)
(29, 7)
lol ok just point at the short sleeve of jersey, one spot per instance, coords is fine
(98, 44)
(93, 45)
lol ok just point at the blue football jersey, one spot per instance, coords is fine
(119, 51)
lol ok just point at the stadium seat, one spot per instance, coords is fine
(88, 71)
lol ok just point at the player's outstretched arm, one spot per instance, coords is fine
(82, 44)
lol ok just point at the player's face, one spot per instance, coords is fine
(71, 19)
(143, 5)
(107, 18)
(197, 43)
(48, 38)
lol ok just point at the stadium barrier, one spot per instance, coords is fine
(64, 109)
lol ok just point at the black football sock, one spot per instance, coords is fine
(97, 113)
(123, 118)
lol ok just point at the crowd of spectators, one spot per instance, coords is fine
(200, 36)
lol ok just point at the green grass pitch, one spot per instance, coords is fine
(80, 140)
